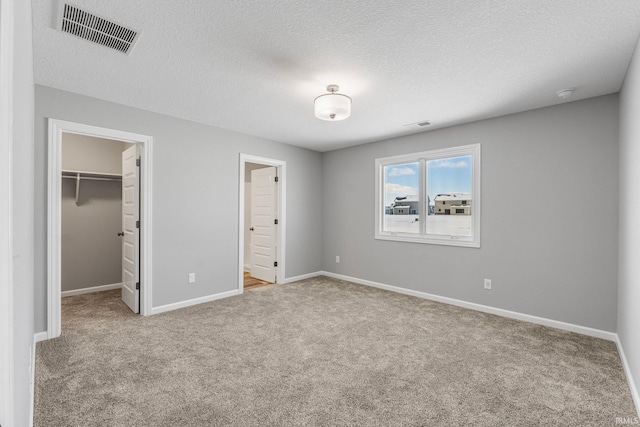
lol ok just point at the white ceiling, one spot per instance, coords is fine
(255, 66)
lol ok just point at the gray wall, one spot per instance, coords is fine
(557, 265)
(23, 213)
(91, 154)
(195, 197)
(629, 236)
(91, 248)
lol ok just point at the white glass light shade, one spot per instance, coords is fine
(332, 107)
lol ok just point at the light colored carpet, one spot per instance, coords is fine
(320, 352)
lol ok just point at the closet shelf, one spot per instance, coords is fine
(92, 176)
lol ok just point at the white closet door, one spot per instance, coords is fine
(263, 218)
(130, 227)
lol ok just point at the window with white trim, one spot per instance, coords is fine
(430, 197)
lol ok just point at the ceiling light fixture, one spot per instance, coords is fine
(332, 106)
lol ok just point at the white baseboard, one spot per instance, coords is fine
(99, 288)
(627, 371)
(302, 277)
(247, 268)
(194, 301)
(610, 336)
(32, 377)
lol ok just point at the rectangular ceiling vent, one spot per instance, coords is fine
(98, 30)
(421, 124)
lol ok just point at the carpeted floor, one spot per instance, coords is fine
(320, 352)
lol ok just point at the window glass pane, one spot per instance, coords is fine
(430, 197)
(401, 205)
(450, 198)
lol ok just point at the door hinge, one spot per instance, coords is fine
(275, 264)
(138, 161)
(137, 224)
(275, 221)
(137, 285)
(276, 179)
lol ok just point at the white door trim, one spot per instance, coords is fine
(6, 212)
(282, 203)
(54, 191)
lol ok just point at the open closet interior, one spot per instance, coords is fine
(91, 211)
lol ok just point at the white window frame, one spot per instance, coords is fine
(422, 158)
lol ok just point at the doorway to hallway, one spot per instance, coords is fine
(262, 225)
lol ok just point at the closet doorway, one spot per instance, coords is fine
(99, 216)
(100, 207)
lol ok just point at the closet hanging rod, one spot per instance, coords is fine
(88, 174)
(91, 178)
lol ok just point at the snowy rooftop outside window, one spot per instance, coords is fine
(453, 196)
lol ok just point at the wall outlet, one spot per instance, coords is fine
(487, 283)
(192, 277)
(337, 259)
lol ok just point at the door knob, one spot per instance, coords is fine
(251, 229)
(121, 234)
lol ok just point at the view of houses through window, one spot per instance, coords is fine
(449, 195)
(431, 195)
(401, 185)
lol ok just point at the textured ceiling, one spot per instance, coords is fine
(255, 67)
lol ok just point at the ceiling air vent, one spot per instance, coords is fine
(98, 30)
(422, 123)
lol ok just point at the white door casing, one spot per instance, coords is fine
(54, 191)
(131, 238)
(243, 227)
(6, 214)
(263, 224)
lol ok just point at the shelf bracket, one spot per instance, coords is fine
(77, 187)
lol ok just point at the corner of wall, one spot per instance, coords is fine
(628, 316)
